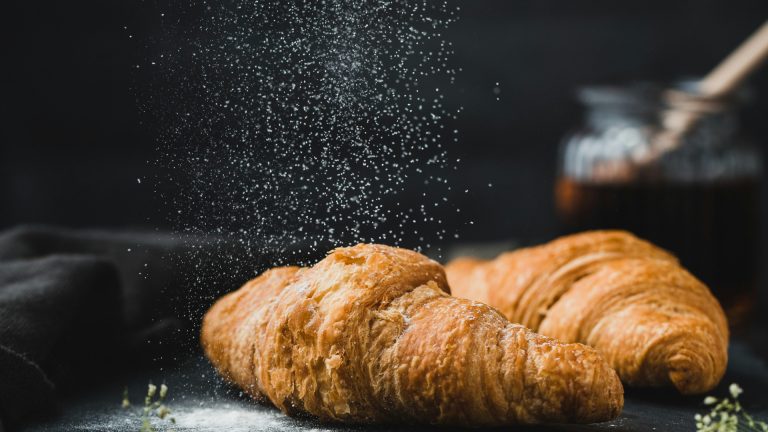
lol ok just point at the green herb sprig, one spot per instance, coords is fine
(727, 415)
(154, 406)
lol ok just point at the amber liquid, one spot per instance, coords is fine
(713, 228)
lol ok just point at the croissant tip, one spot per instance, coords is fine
(606, 405)
(693, 374)
(595, 391)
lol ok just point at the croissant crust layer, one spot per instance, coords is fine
(371, 335)
(655, 323)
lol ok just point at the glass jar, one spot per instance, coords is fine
(672, 168)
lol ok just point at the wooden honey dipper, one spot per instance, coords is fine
(687, 108)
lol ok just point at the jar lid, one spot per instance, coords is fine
(639, 94)
(648, 96)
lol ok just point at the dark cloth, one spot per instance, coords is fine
(51, 308)
(75, 303)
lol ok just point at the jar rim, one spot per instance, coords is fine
(649, 96)
(637, 94)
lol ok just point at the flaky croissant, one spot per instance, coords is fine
(370, 335)
(654, 322)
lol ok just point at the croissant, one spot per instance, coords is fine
(654, 322)
(371, 335)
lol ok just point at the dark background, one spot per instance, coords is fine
(73, 144)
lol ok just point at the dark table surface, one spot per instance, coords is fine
(201, 401)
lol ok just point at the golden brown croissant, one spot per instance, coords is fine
(370, 335)
(655, 323)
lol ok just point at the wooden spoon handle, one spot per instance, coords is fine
(737, 66)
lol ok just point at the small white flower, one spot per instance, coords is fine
(151, 390)
(735, 390)
(126, 402)
(706, 420)
(163, 391)
(697, 417)
(710, 400)
(163, 411)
